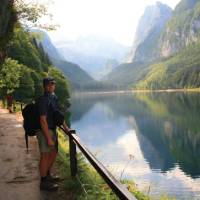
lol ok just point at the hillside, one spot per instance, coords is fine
(181, 70)
(92, 54)
(77, 77)
(177, 65)
(22, 73)
(145, 47)
(126, 74)
(182, 29)
(180, 48)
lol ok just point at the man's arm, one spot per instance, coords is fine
(45, 129)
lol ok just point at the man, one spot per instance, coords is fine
(47, 136)
(9, 102)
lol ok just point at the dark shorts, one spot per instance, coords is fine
(43, 146)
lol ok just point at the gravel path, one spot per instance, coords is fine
(19, 177)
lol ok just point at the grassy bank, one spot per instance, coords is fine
(88, 184)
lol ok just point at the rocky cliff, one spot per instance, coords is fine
(150, 26)
(182, 29)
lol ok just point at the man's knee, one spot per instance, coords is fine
(53, 153)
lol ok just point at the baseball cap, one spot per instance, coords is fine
(48, 80)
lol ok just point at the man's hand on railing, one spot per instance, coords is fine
(67, 130)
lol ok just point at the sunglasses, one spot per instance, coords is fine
(52, 83)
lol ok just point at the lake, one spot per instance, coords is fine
(152, 138)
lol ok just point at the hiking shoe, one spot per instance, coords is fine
(48, 185)
(53, 179)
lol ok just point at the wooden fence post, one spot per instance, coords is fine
(73, 158)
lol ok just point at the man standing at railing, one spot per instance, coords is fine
(47, 136)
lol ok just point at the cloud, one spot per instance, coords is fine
(117, 19)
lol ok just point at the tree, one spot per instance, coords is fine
(30, 12)
(9, 76)
(38, 87)
(8, 18)
(62, 86)
(25, 91)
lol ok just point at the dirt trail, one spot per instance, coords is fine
(19, 177)
(19, 173)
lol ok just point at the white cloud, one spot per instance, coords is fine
(112, 18)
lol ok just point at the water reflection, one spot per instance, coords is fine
(161, 131)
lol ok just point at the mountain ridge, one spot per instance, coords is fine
(148, 32)
(74, 73)
(175, 63)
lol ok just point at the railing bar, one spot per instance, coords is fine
(121, 192)
(114, 184)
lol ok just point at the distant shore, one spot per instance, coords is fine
(136, 91)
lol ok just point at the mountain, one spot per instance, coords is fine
(145, 46)
(77, 76)
(185, 5)
(125, 75)
(93, 53)
(182, 29)
(181, 70)
(179, 50)
(47, 44)
(171, 57)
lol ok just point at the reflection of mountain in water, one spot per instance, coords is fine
(168, 124)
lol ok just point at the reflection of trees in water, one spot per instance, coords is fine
(168, 123)
(80, 106)
(171, 124)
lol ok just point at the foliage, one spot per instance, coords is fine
(38, 87)
(23, 49)
(9, 76)
(34, 64)
(25, 91)
(179, 71)
(61, 85)
(182, 29)
(7, 22)
(185, 5)
(126, 74)
(30, 12)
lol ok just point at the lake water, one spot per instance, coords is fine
(152, 139)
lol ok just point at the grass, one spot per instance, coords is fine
(87, 184)
(16, 105)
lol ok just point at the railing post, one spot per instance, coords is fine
(73, 158)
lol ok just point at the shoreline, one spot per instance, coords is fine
(135, 91)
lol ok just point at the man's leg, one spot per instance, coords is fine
(45, 158)
(52, 157)
(45, 183)
(54, 152)
(44, 164)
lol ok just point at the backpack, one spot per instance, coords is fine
(31, 122)
(31, 117)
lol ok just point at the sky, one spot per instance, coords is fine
(116, 19)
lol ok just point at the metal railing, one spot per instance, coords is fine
(120, 190)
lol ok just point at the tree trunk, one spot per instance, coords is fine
(8, 18)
